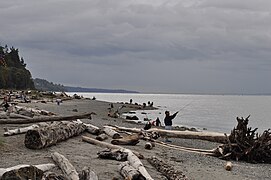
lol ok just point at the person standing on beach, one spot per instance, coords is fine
(168, 122)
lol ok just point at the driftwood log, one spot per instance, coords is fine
(247, 145)
(87, 174)
(92, 129)
(46, 119)
(24, 171)
(129, 172)
(111, 132)
(13, 116)
(57, 132)
(128, 140)
(209, 136)
(66, 167)
(11, 132)
(167, 170)
(102, 137)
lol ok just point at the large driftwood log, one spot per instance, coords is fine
(46, 119)
(33, 111)
(48, 136)
(129, 172)
(12, 116)
(66, 167)
(42, 167)
(107, 145)
(166, 169)
(209, 136)
(92, 129)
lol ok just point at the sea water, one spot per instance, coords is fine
(212, 112)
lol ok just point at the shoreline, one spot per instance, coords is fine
(80, 154)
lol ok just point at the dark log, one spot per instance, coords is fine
(166, 169)
(46, 119)
(115, 154)
(128, 140)
(87, 174)
(149, 145)
(48, 136)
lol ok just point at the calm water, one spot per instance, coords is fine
(214, 112)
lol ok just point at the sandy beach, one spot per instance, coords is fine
(193, 165)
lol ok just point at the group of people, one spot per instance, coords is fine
(167, 121)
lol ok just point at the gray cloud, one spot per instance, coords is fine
(207, 46)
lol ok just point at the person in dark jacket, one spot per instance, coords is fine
(168, 122)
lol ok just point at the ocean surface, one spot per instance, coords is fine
(213, 112)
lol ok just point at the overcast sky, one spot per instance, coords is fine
(168, 46)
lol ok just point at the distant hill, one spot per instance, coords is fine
(80, 89)
(42, 84)
(13, 72)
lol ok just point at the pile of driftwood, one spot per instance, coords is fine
(245, 144)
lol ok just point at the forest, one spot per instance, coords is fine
(13, 72)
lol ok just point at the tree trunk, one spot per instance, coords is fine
(127, 140)
(46, 119)
(11, 132)
(66, 167)
(13, 116)
(166, 169)
(57, 132)
(129, 172)
(102, 137)
(92, 129)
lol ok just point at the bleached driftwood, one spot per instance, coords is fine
(228, 166)
(92, 129)
(13, 115)
(110, 132)
(116, 154)
(129, 172)
(209, 136)
(42, 167)
(48, 136)
(10, 132)
(149, 145)
(35, 111)
(47, 119)
(66, 167)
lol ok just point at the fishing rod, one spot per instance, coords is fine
(185, 106)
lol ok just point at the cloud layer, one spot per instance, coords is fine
(187, 46)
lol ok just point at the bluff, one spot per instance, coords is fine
(13, 72)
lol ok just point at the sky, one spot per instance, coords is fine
(159, 46)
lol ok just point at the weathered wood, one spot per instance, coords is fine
(148, 145)
(228, 166)
(66, 167)
(46, 119)
(209, 136)
(128, 140)
(92, 129)
(48, 136)
(11, 132)
(102, 137)
(42, 167)
(32, 111)
(107, 145)
(12, 116)
(116, 154)
(129, 172)
(30, 172)
(110, 132)
(168, 170)
(87, 174)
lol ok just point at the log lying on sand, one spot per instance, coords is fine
(66, 167)
(46, 119)
(129, 172)
(166, 169)
(23, 170)
(13, 116)
(209, 136)
(33, 111)
(102, 137)
(87, 174)
(11, 132)
(116, 154)
(92, 129)
(57, 132)
(128, 140)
